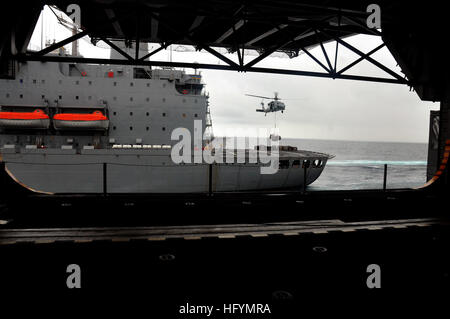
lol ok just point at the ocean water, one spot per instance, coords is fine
(360, 165)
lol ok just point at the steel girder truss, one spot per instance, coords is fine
(330, 69)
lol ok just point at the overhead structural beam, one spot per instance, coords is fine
(266, 34)
(59, 44)
(71, 59)
(324, 51)
(198, 43)
(115, 47)
(116, 25)
(366, 57)
(154, 24)
(315, 59)
(162, 47)
(275, 48)
(361, 25)
(196, 23)
(230, 31)
(75, 37)
(360, 58)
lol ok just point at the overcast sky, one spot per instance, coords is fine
(319, 109)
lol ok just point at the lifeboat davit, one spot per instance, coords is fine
(81, 121)
(37, 119)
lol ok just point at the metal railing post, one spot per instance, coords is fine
(105, 180)
(210, 180)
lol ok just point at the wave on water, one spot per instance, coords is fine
(376, 163)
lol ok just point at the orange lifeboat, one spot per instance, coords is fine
(81, 121)
(37, 119)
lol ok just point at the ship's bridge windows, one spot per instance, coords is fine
(296, 164)
(142, 73)
(189, 88)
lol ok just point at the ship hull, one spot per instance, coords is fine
(58, 173)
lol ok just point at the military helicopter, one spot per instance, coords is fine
(273, 106)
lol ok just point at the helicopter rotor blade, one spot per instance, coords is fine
(263, 97)
(291, 99)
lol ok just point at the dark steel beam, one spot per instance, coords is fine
(154, 25)
(362, 25)
(138, 37)
(324, 51)
(70, 59)
(115, 47)
(315, 59)
(75, 37)
(162, 47)
(368, 58)
(230, 31)
(361, 58)
(196, 23)
(116, 25)
(266, 34)
(337, 43)
(198, 44)
(62, 43)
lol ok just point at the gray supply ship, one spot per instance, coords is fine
(84, 128)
